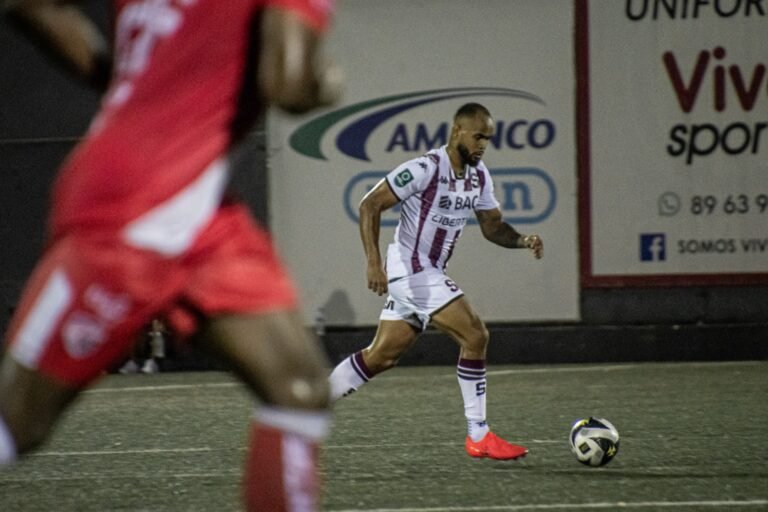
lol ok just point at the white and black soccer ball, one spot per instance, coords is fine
(594, 441)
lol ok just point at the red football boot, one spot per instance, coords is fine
(494, 447)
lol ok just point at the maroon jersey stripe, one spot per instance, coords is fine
(427, 198)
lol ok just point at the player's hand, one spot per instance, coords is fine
(534, 243)
(330, 83)
(377, 279)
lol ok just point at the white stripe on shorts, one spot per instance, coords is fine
(36, 330)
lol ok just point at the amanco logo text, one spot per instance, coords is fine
(526, 195)
(355, 124)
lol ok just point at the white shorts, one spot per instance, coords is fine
(416, 298)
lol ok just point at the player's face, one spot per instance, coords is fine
(473, 134)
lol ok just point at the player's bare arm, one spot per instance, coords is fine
(292, 74)
(66, 34)
(379, 199)
(500, 233)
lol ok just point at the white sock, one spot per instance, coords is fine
(311, 425)
(349, 375)
(281, 466)
(7, 445)
(472, 381)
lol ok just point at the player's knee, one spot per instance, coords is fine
(311, 392)
(486, 336)
(303, 390)
(478, 339)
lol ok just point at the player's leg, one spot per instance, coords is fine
(393, 338)
(460, 322)
(74, 321)
(30, 404)
(275, 355)
(284, 366)
(249, 306)
(463, 325)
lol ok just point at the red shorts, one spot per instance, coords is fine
(91, 294)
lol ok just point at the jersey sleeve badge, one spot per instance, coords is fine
(403, 178)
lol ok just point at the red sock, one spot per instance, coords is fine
(280, 472)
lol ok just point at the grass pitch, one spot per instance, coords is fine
(694, 436)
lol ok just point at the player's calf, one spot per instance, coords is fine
(30, 404)
(280, 473)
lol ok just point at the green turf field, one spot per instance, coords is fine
(694, 437)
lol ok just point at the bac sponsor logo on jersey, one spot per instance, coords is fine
(653, 247)
(353, 125)
(462, 203)
(526, 195)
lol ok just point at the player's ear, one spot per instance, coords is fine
(455, 129)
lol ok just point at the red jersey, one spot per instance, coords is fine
(183, 87)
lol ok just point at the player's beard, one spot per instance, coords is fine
(466, 157)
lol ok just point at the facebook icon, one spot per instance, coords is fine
(653, 247)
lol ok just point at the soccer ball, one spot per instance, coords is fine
(594, 441)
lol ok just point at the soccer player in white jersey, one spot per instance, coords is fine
(437, 192)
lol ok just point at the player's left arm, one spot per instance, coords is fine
(66, 34)
(499, 232)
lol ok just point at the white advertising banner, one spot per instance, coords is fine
(409, 66)
(678, 94)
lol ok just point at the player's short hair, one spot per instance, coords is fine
(471, 110)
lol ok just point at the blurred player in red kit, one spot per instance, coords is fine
(140, 224)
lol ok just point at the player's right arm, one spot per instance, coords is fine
(65, 33)
(292, 74)
(379, 199)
